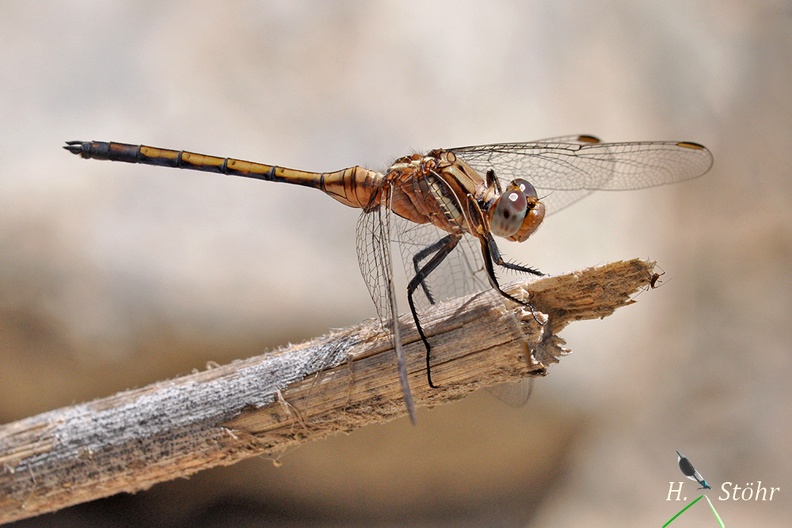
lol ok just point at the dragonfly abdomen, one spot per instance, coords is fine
(354, 186)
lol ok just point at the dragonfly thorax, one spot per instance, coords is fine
(515, 213)
(434, 188)
(461, 198)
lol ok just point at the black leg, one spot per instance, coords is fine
(492, 181)
(421, 255)
(442, 249)
(492, 253)
(496, 256)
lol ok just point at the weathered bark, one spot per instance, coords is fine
(262, 405)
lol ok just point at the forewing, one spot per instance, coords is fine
(564, 170)
(374, 258)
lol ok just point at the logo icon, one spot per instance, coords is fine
(690, 472)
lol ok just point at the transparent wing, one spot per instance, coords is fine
(461, 273)
(374, 258)
(513, 394)
(566, 169)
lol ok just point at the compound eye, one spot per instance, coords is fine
(509, 211)
(525, 186)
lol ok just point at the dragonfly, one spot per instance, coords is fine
(445, 208)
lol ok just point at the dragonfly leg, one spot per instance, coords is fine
(498, 258)
(492, 181)
(492, 254)
(442, 248)
(421, 255)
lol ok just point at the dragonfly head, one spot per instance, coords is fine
(517, 212)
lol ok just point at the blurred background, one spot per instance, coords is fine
(113, 276)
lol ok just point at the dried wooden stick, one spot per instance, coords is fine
(262, 405)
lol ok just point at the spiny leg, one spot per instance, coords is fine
(498, 259)
(442, 248)
(492, 253)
